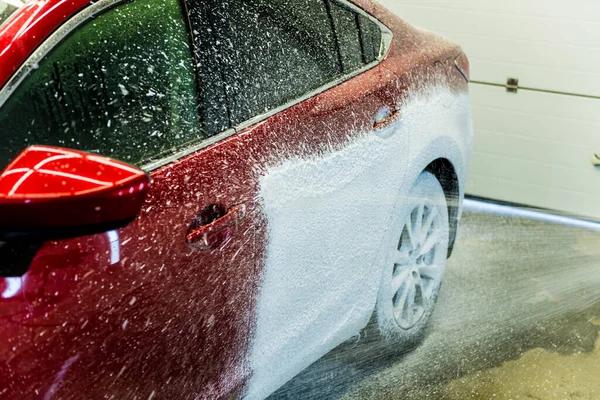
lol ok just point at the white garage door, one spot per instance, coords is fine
(535, 146)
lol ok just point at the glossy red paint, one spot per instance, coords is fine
(136, 312)
(205, 236)
(462, 63)
(27, 28)
(50, 187)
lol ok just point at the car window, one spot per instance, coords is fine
(348, 36)
(370, 38)
(359, 38)
(271, 52)
(121, 85)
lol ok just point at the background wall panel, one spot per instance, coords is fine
(551, 45)
(535, 146)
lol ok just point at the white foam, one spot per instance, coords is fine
(327, 218)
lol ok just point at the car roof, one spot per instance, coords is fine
(28, 27)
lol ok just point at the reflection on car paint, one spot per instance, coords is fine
(113, 239)
(13, 285)
(59, 377)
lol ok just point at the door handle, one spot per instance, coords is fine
(384, 117)
(596, 160)
(217, 233)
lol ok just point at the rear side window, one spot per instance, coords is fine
(121, 85)
(370, 38)
(358, 37)
(271, 52)
(348, 36)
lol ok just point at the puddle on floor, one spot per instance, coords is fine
(538, 374)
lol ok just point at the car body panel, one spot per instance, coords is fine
(304, 203)
(136, 312)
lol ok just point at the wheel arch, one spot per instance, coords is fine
(445, 173)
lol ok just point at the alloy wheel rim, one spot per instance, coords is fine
(417, 267)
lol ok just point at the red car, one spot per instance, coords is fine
(288, 169)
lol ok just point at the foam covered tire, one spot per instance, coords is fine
(414, 266)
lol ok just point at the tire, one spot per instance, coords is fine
(415, 264)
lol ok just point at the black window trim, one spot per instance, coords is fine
(186, 148)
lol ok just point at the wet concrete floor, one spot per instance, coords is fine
(518, 318)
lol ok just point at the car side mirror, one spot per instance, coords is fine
(56, 193)
(51, 193)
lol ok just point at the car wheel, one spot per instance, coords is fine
(416, 259)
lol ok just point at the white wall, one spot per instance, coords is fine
(532, 147)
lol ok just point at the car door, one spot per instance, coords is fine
(161, 308)
(317, 123)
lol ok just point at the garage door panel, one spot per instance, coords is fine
(535, 146)
(497, 72)
(545, 58)
(537, 66)
(538, 195)
(536, 102)
(543, 48)
(547, 106)
(555, 154)
(579, 10)
(537, 173)
(493, 26)
(540, 141)
(549, 129)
